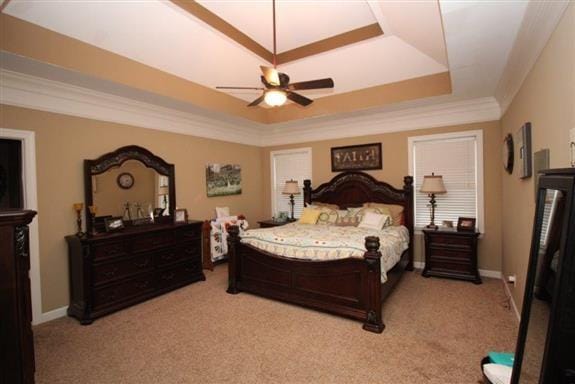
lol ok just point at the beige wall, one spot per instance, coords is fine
(547, 100)
(395, 167)
(63, 142)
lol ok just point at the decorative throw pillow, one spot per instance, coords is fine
(374, 221)
(222, 212)
(347, 218)
(327, 215)
(396, 211)
(309, 216)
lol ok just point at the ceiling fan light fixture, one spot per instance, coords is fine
(275, 97)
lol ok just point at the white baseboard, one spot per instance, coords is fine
(482, 272)
(51, 315)
(508, 292)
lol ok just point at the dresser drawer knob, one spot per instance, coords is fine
(111, 272)
(111, 296)
(190, 251)
(142, 264)
(168, 257)
(143, 284)
(168, 276)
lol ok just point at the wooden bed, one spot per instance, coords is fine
(348, 287)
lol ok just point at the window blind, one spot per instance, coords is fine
(456, 160)
(291, 165)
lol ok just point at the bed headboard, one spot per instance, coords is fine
(352, 189)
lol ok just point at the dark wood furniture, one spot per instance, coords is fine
(116, 159)
(111, 271)
(545, 352)
(451, 253)
(16, 341)
(348, 287)
(272, 223)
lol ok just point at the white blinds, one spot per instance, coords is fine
(288, 165)
(456, 160)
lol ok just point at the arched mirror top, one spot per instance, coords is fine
(130, 152)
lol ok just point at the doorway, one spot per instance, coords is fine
(11, 191)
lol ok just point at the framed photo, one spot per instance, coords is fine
(356, 157)
(181, 215)
(112, 224)
(466, 224)
(524, 148)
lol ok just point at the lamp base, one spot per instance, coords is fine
(432, 226)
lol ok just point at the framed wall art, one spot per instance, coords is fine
(223, 179)
(524, 148)
(356, 157)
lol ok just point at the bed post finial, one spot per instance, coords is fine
(306, 192)
(233, 237)
(408, 215)
(373, 321)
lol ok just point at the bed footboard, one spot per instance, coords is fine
(348, 287)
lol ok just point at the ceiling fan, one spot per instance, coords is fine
(277, 87)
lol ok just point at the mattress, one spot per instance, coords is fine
(327, 242)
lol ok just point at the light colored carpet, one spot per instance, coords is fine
(437, 332)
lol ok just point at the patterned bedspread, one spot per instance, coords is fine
(327, 242)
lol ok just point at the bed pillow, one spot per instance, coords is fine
(395, 211)
(309, 216)
(327, 216)
(375, 221)
(222, 212)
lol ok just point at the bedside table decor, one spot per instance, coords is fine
(466, 224)
(291, 188)
(451, 253)
(432, 185)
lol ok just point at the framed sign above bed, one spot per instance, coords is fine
(356, 157)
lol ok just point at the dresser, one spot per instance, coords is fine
(451, 253)
(16, 341)
(111, 271)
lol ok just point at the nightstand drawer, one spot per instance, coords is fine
(450, 254)
(449, 266)
(451, 241)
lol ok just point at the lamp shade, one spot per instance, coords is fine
(433, 184)
(291, 188)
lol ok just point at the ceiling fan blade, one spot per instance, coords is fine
(256, 101)
(297, 98)
(312, 84)
(271, 75)
(252, 88)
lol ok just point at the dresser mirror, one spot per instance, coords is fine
(130, 183)
(545, 346)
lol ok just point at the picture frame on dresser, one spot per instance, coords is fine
(466, 224)
(180, 215)
(113, 224)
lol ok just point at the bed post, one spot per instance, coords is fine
(408, 189)
(306, 192)
(206, 247)
(373, 321)
(233, 237)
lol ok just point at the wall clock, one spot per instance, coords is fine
(125, 180)
(508, 153)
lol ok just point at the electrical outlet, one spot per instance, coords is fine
(572, 146)
(511, 279)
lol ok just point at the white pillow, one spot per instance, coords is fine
(222, 212)
(375, 221)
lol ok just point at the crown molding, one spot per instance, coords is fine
(539, 23)
(439, 115)
(32, 92)
(46, 95)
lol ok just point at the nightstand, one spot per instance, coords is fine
(451, 253)
(272, 223)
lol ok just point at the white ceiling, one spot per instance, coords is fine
(478, 38)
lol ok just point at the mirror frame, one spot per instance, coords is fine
(553, 180)
(117, 158)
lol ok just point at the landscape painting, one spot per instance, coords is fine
(223, 179)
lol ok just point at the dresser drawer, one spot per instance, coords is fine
(109, 250)
(191, 250)
(190, 233)
(167, 256)
(451, 241)
(179, 275)
(124, 290)
(153, 241)
(104, 273)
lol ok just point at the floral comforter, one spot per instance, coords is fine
(327, 242)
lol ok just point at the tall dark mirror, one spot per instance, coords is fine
(130, 183)
(543, 342)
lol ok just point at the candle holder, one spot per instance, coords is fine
(78, 208)
(93, 210)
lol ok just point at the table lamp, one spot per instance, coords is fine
(432, 185)
(291, 188)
